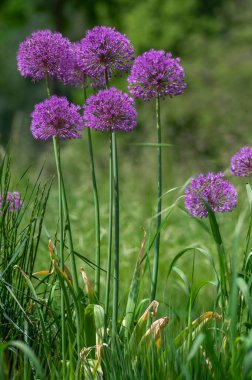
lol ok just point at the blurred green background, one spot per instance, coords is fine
(206, 125)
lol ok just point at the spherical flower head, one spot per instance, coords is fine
(156, 74)
(110, 110)
(241, 162)
(78, 74)
(13, 200)
(56, 117)
(212, 188)
(45, 53)
(105, 50)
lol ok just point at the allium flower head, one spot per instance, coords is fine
(56, 117)
(216, 191)
(241, 162)
(78, 72)
(110, 110)
(155, 73)
(45, 53)
(104, 49)
(13, 201)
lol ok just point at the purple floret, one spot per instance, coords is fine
(110, 110)
(56, 117)
(45, 53)
(241, 162)
(105, 50)
(216, 191)
(13, 200)
(156, 74)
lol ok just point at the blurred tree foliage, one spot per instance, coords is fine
(212, 37)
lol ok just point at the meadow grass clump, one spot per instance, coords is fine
(54, 323)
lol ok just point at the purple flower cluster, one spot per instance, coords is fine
(241, 162)
(13, 200)
(155, 73)
(110, 110)
(78, 74)
(56, 117)
(104, 50)
(216, 191)
(45, 53)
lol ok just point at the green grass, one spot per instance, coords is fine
(208, 348)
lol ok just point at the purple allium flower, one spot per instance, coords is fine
(104, 49)
(241, 162)
(110, 110)
(56, 117)
(45, 52)
(155, 73)
(78, 73)
(13, 200)
(216, 191)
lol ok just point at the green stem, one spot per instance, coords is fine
(116, 234)
(97, 213)
(189, 323)
(63, 204)
(114, 201)
(110, 232)
(47, 85)
(159, 203)
(73, 264)
(61, 224)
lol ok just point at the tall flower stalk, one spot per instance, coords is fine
(155, 74)
(97, 210)
(114, 208)
(110, 231)
(159, 202)
(56, 118)
(116, 233)
(61, 239)
(111, 111)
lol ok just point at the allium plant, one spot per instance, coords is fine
(45, 54)
(56, 117)
(206, 195)
(13, 200)
(155, 74)
(241, 162)
(212, 188)
(110, 110)
(105, 51)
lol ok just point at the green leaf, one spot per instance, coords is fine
(246, 294)
(30, 354)
(134, 291)
(94, 325)
(196, 346)
(213, 224)
(90, 329)
(249, 195)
